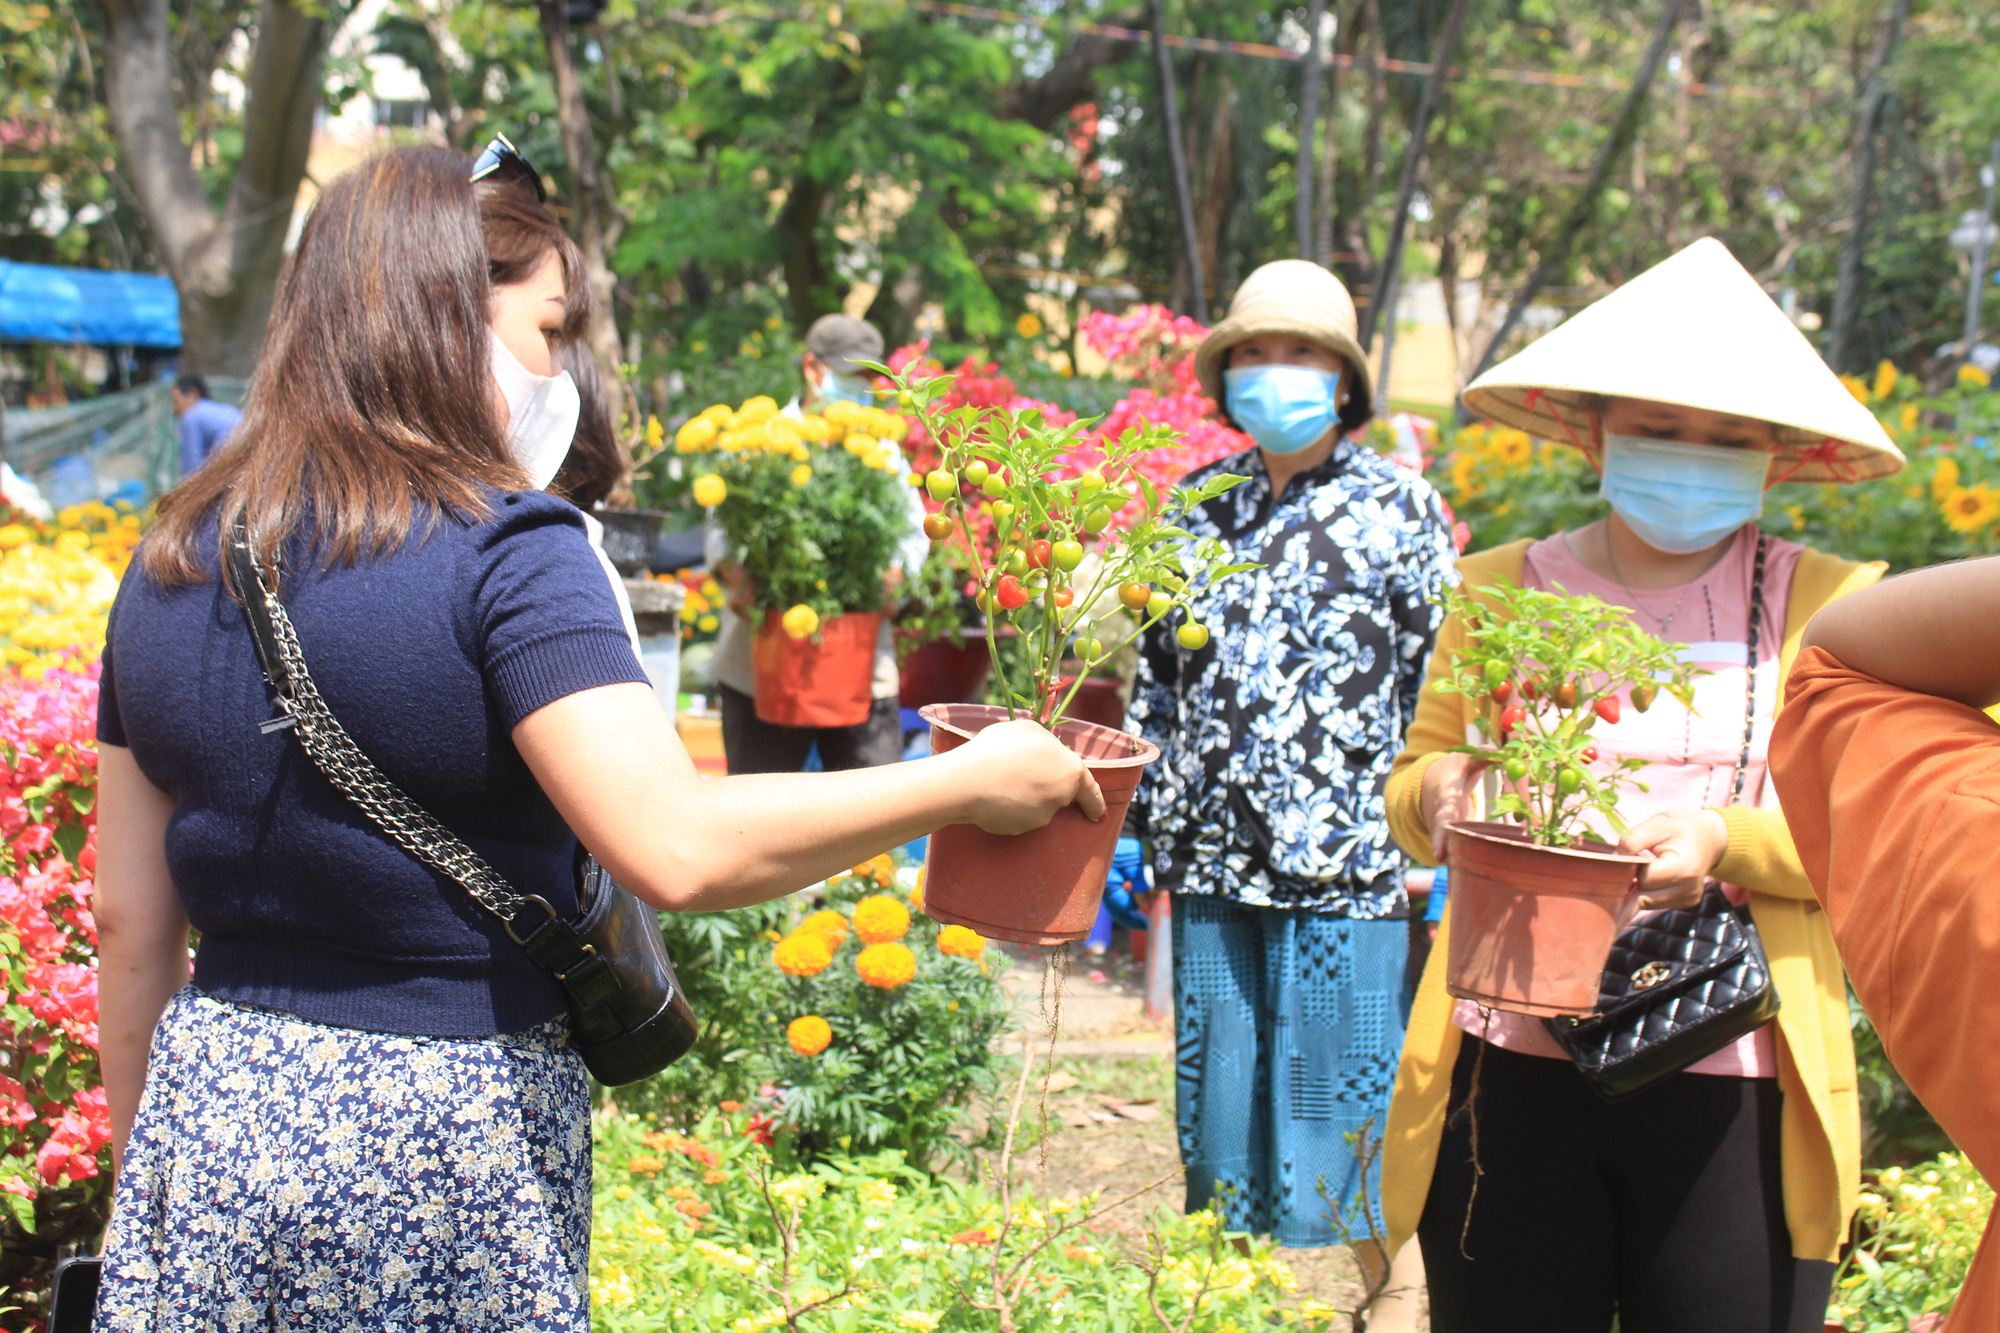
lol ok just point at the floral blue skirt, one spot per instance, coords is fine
(283, 1174)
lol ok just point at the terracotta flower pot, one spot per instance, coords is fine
(1041, 887)
(950, 670)
(823, 680)
(1532, 927)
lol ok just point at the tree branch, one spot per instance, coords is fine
(1069, 83)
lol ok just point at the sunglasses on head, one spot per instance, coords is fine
(501, 160)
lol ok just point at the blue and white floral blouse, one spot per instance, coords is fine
(1277, 736)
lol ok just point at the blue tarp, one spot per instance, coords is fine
(41, 303)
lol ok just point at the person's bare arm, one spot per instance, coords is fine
(1934, 631)
(611, 762)
(142, 933)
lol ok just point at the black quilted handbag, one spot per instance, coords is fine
(1679, 986)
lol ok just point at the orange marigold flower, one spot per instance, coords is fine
(879, 919)
(691, 1208)
(809, 1035)
(961, 942)
(805, 954)
(828, 923)
(714, 1177)
(973, 1236)
(917, 894)
(886, 966)
(731, 1107)
(680, 1192)
(645, 1166)
(881, 869)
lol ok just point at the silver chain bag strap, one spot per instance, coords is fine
(629, 1018)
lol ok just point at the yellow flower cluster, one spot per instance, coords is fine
(869, 433)
(880, 919)
(57, 583)
(1485, 452)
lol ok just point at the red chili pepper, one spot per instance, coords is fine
(1010, 592)
(1510, 718)
(1529, 690)
(1590, 754)
(1502, 693)
(1063, 597)
(1038, 554)
(1607, 709)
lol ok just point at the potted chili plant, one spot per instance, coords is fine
(1537, 899)
(813, 507)
(1048, 564)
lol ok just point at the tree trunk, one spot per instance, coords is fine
(1586, 201)
(1325, 227)
(806, 277)
(1177, 160)
(1406, 191)
(1304, 194)
(1867, 121)
(1216, 194)
(586, 205)
(224, 266)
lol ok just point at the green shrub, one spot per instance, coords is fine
(1919, 1227)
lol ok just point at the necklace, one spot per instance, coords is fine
(1619, 575)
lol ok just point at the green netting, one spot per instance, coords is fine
(119, 445)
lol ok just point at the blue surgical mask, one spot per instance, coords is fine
(1283, 408)
(1682, 498)
(846, 388)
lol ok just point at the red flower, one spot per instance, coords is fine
(759, 1130)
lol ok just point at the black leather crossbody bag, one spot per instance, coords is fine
(1679, 985)
(628, 1016)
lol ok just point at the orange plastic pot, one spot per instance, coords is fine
(1040, 887)
(822, 680)
(1532, 927)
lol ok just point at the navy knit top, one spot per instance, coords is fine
(428, 657)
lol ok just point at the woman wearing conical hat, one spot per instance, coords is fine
(1715, 1200)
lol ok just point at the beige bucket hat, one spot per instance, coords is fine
(1286, 296)
(1698, 331)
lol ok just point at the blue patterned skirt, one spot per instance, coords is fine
(1287, 1029)
(284, 1174)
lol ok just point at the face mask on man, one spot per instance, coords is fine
(1284, 408)
(846, 388)
(542, 412)
(1682, 498)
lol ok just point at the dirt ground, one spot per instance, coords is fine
(1110, 1104)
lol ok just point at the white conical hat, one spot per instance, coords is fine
(1698, 331)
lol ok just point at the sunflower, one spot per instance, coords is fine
(1510, 447)
(809, 1035)
(878, 919)
(1944, 480)
(1970, 508)
(1972, 377)
(1885, 379)
(1028, 325)
(886, 966)
(803, 955)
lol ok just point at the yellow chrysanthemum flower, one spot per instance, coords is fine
(1972, 377)
(803, 955)
(801, 622)
(961, 942)
(1856, 387)
(886, 966)
(1028, 325)
(1970, 508)
(809, 1035)
(826, 922)
(1909, 415)
(801, 474)
(710, 491)
(1885, 379)
(879, 919)
(656, 434)
(697, 434)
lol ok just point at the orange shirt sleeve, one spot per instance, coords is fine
(1894, 801)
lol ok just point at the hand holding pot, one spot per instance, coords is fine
(1447, 797)
(1685, 846)
(1023, 776)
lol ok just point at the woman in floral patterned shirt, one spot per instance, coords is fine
(1265, 812)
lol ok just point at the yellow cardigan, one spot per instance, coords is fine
(1821, 1133)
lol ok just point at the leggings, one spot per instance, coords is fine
(1666, 1209)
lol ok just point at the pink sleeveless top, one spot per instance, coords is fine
(1691, 756)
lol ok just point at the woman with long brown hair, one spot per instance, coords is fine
(363, 1106)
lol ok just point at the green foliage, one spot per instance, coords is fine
(1008, 466)
(1896, 1130)
(1551, 664)
(711, 1231)
(903, 1064)
(1919, 1228)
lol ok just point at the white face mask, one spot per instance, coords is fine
(542, 412)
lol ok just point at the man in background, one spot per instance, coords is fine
(205, 423)
(834, 346)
